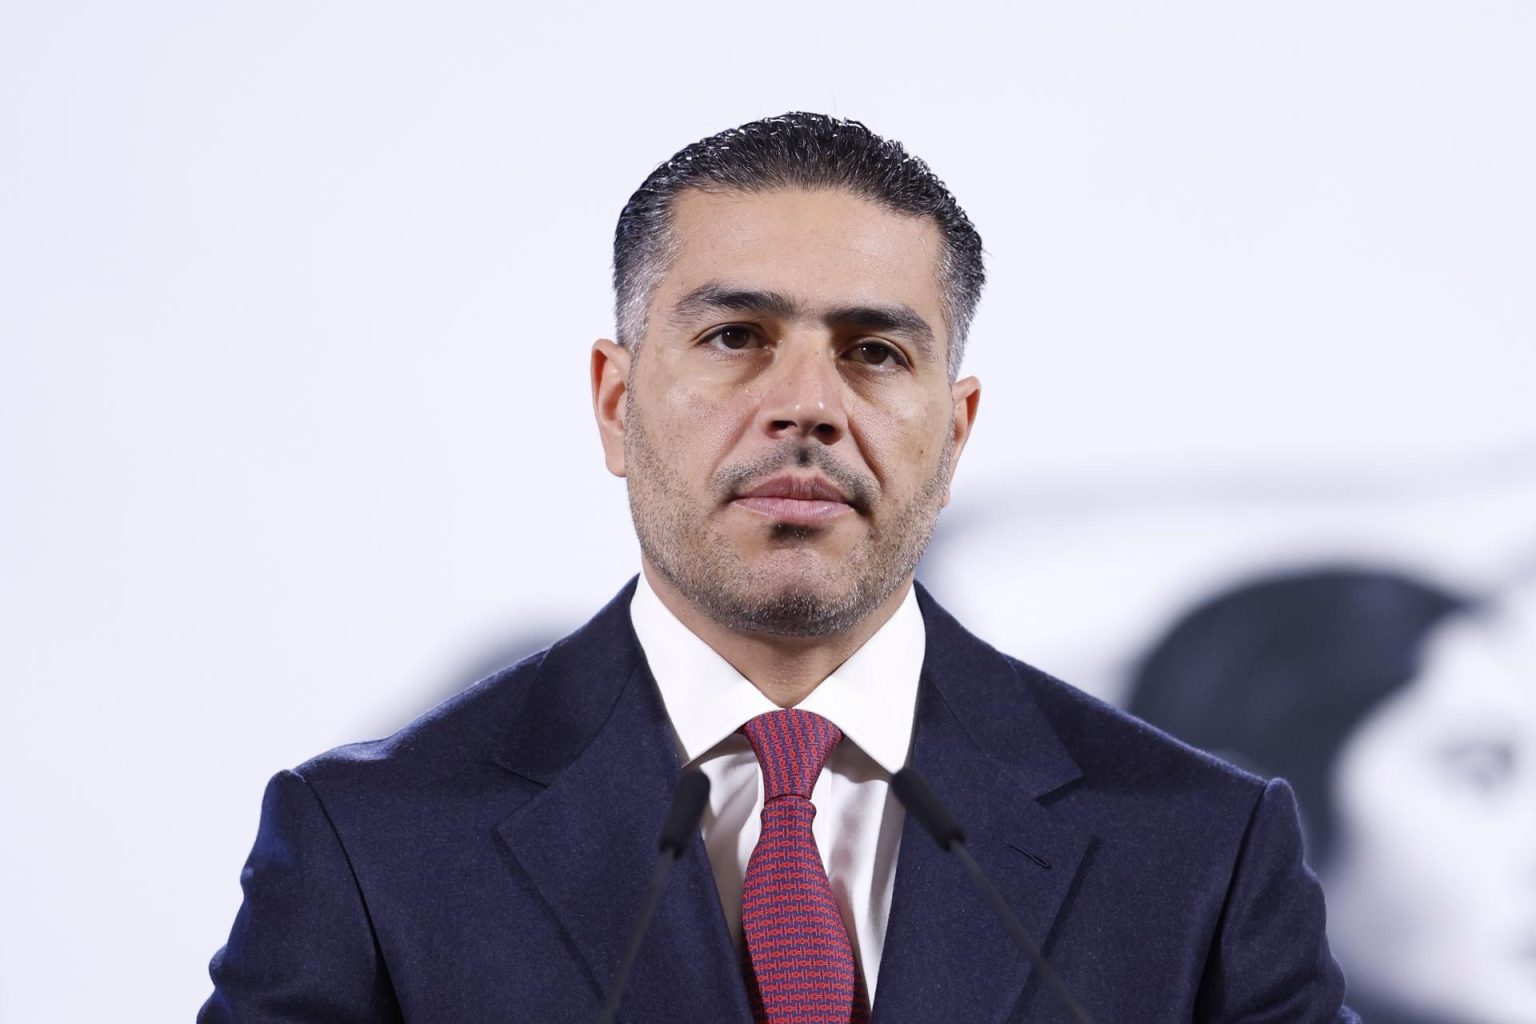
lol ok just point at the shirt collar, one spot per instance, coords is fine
(871, 697)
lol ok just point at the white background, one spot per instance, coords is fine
(296, 300)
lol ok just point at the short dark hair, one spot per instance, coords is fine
(794, 150)
(1278, 673)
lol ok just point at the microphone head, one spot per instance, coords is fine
(913, 792)
(682, 821)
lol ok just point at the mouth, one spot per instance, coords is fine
(797, 500)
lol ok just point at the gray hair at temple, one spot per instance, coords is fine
(795, 150)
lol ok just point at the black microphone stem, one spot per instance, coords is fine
(1017, 931)
(913, 792)
(678, 830)
(636, 939)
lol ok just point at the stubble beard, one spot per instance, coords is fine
(702, 563)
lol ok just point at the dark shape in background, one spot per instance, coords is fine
(1314, 675)
(1276, 674)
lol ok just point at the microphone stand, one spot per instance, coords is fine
(913, 791)
(679, 828)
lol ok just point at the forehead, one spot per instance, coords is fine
(826, 247)
(1471, 661)
(1467, 683)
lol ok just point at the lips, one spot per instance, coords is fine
(795, 499)
(799, 488)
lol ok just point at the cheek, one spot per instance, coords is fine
(903, 441)
(690, 414)
(1423, 848)
(709, 423)
(693, 434)
(1384, 785)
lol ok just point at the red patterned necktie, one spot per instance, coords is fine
(796, 956)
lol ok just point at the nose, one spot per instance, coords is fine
(804, 398)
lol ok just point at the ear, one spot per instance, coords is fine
(966, 396)
(610, 392)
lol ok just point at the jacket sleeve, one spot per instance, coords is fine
(1269, 962)
(302, 948)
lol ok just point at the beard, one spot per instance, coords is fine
(679, 541)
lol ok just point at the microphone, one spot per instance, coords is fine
(913, 792)
(677, 831)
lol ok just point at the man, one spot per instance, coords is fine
(784, 402)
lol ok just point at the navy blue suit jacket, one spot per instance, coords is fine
(484, 864)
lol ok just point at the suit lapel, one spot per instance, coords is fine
(989, 755)
(594, 733)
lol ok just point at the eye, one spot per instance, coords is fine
(876, 353)
(1484, 766)
(732, 337)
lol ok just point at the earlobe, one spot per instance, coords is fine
(610, 399)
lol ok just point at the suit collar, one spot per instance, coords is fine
(990, 755)
(582, 676)
(985, 692)
(870, 697)
(572, 694)
(593, 733)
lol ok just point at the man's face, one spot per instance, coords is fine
(787, 425)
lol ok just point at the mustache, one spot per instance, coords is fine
(860, 487)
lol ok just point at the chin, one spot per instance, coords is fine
(816, 560)
(789, 604)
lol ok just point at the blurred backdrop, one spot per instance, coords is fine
(296, 302)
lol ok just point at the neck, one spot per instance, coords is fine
(784, 668)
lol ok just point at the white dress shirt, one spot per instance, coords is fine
(871, 697)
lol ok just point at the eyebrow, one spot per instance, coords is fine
(715, 297)
(894, 318)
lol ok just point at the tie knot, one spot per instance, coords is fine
(791, 747)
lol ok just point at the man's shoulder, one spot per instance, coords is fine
(1147, 795)
(565, 688)
(1115, 747)
(1114, 753)
(466, 728)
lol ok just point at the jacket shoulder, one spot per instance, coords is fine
(465, 727)
(1112, 744)
(521, 718)
(1022, 715)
